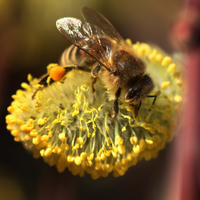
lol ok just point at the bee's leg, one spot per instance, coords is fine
(137, 108)
(115, 106)
(94, 74)
(43, 81)
(153, 96)
(93, 81)
(85, 69)
(59, 74)
(48, 79)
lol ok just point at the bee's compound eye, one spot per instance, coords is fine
(113, 71)
(57, 73)
(130, 94)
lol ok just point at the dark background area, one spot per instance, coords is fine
(30, 41)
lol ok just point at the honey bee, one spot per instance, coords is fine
(99, 49)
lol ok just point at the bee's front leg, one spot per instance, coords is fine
(44, 83)
(136, 108)
(94, 74)
(115, 106)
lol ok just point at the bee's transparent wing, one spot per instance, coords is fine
(85, 36)
(94, 17)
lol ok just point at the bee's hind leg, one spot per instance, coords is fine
(93, 81)
(94, 74)
(115, 106)
(43, 81)
(56, 75)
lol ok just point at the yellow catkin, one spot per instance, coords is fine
(114, 154)
(50, 133)
(165, 116)
(42, 121)
(27, 127)
(133, 140)
(178, 98)
(147, 118)
(62, 123)
(25, 85)
(76, 147)
(90, 156)
(179, 82)
(119, 140)
(24, 107)
(144, 49)
(45, 138)
(129, 42)
(15, 133)
(152, 55)
(48, 152)
(34, 133)
(165, 84)
(77, 160)
(121, 149)
(171, 67)
(65, 147)
(83, 129)
(80, 140)
(149, 141)
(166, 61)
(108, 153)
(124, 129)
(103, 156)
(36, 140)
(176, 75)
(10, 109)
(21, 122)
(42, 152)
(70, 158)
(158, 57)
(98, 166)
(62, 137)
(142, 145)
(136, 149)
(83, 156)
(69, 127)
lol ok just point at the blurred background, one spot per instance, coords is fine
(29, 41)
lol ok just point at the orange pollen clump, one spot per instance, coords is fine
(57, 73)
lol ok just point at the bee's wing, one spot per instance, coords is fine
(85, 36)
(94, 17)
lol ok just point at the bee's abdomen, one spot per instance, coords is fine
(76, 56)
(69, 56)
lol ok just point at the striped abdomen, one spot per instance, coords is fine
(99, 48)
(75, 56)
